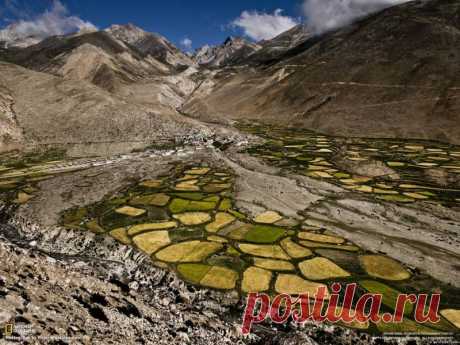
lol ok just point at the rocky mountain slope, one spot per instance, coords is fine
(274, 49)
(10, 132)
(105, 78)
(52, 110)
(96, 57)
(393, 74)
(151, 44)
(232, 50)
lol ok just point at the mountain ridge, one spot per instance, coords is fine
(391, 74)
(150, 44)
(231, 50)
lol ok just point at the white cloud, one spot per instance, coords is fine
(55, 21)
(263, 26)
(325, 15)
(186, 43)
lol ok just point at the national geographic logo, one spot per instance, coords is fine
(6, 324)
(8, 330)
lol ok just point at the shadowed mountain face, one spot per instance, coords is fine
(274, 49)
(394, 74)
(233, 50)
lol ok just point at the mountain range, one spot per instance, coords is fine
(391, 74)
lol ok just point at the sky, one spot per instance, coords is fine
(200, 21)
(188, 24)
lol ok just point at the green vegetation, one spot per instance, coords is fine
(389, 295)
(264, 234)
(208, 243)
(193, 272)
(182, 205)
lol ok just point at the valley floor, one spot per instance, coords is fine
(99, 250)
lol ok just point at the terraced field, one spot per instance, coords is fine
(19, 176)
(187, 222)
(391, 170)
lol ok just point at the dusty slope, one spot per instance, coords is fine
(10, 133)
(96, 57)
(394, 74)
(54, 110)
(111, 64)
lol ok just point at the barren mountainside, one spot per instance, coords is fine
(393, 74)
(96, 57)
(92, 88)
(150, 44)
(274, 49)
(51, 110)
(234, 49)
